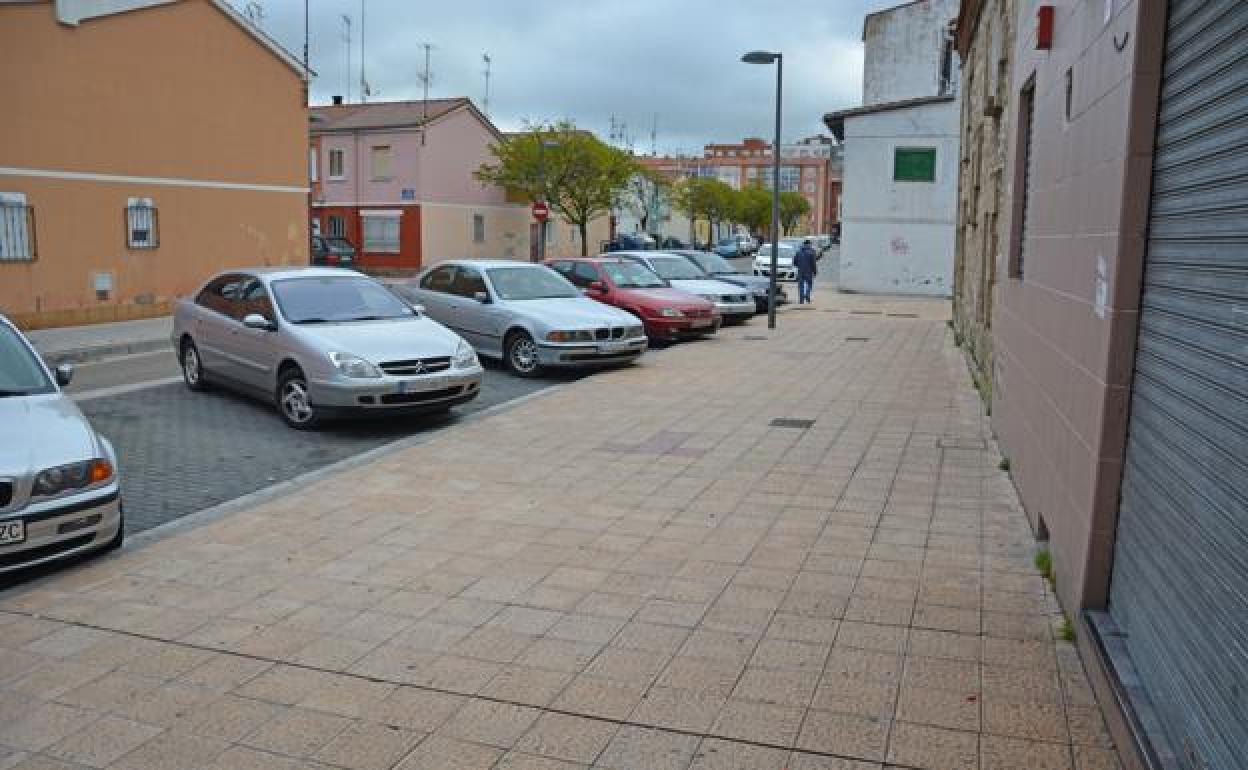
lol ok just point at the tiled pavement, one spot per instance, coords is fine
(637, 571)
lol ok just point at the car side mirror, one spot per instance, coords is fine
(482, 296)
(64, 374)
(257, 321)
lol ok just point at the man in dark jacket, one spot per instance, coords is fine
(804, 261)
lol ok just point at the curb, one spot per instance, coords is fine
(88, 353)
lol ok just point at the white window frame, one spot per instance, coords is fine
(342, 163)
(312, 164)
(142, 216)
(372, 220)
(17, 228)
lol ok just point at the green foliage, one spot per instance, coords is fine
(753, 208)
(1066, 631)
(793, 210)
(579, 176)
(705, 198)
(1044, 563)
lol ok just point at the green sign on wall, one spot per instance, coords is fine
(914, 164)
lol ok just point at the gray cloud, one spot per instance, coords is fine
(591, 59)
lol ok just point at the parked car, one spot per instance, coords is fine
(60, 492)
(527, 315)
(733, 303)
(320, 343)
(735, 246)
(630, 242)
(332, 251)
(721, 269)
(666, 313)
(784, 261)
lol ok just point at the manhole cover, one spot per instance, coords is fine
(857, 339)
(791, 422)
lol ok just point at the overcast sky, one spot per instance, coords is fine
(590, 59)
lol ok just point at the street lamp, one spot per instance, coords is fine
(767, 57)
(543, 143)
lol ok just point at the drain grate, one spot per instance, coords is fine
(792, 422)
(857, 339)
(754, 337)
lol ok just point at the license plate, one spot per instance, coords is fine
(12, 532)
(415, 386)
(701, 323)
(611, 347)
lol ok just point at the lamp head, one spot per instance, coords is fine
(760, 57)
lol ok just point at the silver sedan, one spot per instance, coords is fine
(60, 494)
(321, 342)
(527, 315)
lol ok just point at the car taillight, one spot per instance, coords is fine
(331, 259)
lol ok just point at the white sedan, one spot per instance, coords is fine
(785, 271)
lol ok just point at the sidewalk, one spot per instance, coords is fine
(639, 570)
(86, 343)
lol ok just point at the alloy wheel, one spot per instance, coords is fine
(295, 403)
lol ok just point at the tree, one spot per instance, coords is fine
(754, 208)
(577, 175)
(646, 194)
(702, 197)
(793, 209)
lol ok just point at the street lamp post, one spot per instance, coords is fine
(767, 57)
(543, 143)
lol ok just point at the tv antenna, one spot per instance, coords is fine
(346, 36)
(485, 57)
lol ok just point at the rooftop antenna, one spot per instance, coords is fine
(307, 79)
(346, 35)
(426, 78)
(485, 57)
(254, 11)
(654, 136)
(365, 91)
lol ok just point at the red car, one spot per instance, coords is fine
(666, 313)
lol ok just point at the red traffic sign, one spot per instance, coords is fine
(540, 211)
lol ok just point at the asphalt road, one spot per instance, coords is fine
(181, 452)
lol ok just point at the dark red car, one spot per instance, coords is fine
(666, 313)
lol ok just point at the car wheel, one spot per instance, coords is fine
(294, 402)
(192, 365)
(521, 355)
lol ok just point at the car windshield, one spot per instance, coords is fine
(676, 269)
(20, 372)
(712, 263)
(332, 299)
(630, 275)
(514, 283)
(785, 252)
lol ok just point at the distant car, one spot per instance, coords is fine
(320, 342)
(721, 269)
(666, 313)
(734, 303)
(527, 315)
(670, 242)
(784, 261)
(332, 251)
(736, 246)
(60, 492)
(822, 243)
(631, 242)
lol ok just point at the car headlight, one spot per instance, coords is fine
(63, 478)
(670, 312)
(465, 356)
(579, 335)
(710, 297)
(353, 366)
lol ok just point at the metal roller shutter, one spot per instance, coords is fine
(1180, 582)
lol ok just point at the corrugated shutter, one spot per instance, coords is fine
(1180, 581)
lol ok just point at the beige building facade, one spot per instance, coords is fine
(147, 146)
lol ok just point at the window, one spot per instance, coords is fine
(253, 299)
(220, 294)
(478, 228)
(1070, 90)
(468, 282)
(914, 164)
(583, 274)
(381, 232)
(337, 226)
(311, 164)
(337, 164)
(439, 279)
(142, 224)
(379, 162)
(17, 228)
(1022, 178)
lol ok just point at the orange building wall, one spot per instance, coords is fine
(178, 92)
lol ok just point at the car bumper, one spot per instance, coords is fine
(678, 328)
(735, 311)
(586, 355)
(59, 529)
(398, 394)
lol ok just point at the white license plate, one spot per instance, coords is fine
(700, 323)
(416, 386)
(12, 532)
(613, 347)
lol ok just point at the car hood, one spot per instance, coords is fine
(664, 296)
(764, 258)
(705, 286)
(379, 341)
(38, 432)
(570, 312)
(748, 281)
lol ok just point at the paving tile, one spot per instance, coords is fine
(772, 724)
(867, 636)
(939, 708)
(560, 655)
(922, 746)
(297, 732)
(635, 667)
(790, 655)
(637, 747)
(845, 735)
(1000, 753)
(347, 696)
(283, 684)
(105, 741)
(709, 675)
(45, 725)
(172, 750)
(243, 758)
(1034, 721)
(515, 760)
(638, 635)
(718, 754)
(792, 687)
(491, 723)
(848, 694)
(527, 685)
(369, 746)
(228, 718)
(599, 698)
(803, 761)
(443, 753)
(673, 709)
(566, 737)
(1087, 758)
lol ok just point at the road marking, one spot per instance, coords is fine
(117, 390)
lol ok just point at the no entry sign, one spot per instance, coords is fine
(540, 211)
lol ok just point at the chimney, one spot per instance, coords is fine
(337, 100)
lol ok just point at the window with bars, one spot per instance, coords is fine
(1022, 178)
(142, 224)
(381, 234)
(17, 228)
(337, 226)
(337, 164)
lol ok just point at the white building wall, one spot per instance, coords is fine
(897, 237)
(903, 48)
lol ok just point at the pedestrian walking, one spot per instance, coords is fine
(805, 262)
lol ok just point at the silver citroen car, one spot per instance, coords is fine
(60, 494)
(321, 342)
(527, 315)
